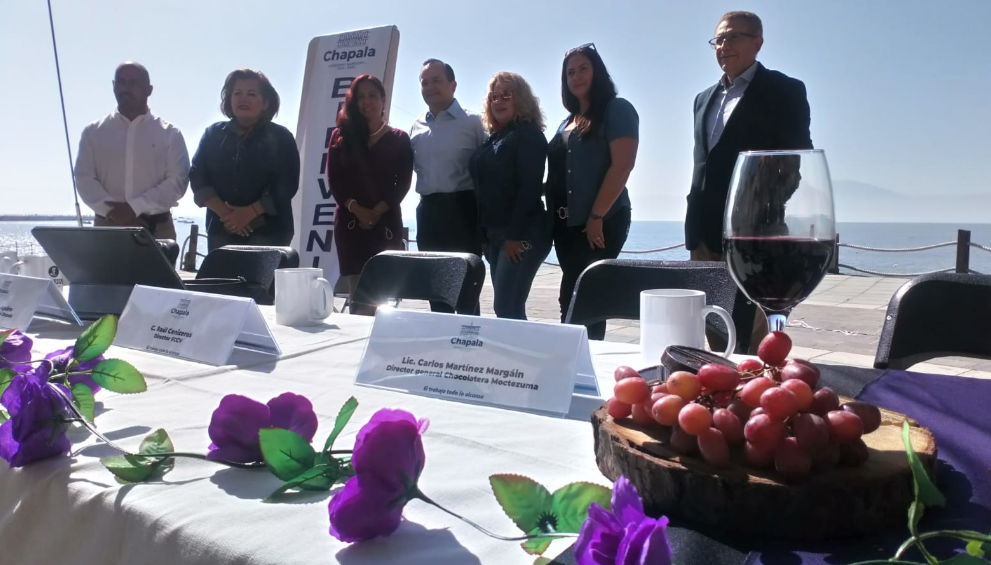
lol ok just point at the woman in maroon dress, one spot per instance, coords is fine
(369, 169)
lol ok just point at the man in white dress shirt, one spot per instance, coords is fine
(132, 167)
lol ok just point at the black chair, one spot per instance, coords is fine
(243, 270)
(452, 279)
(937, 315)
(170, 248)
(610, 289)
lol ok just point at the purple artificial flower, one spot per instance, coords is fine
(388, 458)
(36, 428)
(625, 536)
(16, 350)
(235, 424)
(57, 362)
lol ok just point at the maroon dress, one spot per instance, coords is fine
(385, 174)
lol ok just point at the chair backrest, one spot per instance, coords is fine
(170, 248)
(454, 279)
(256, 265)
(610, 289)
(937, 315)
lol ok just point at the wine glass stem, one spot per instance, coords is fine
(776, 322)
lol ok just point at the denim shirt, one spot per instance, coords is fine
(262, 167)
(577, 167)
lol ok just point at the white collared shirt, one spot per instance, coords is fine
(143, 162)
(719, 114)
(442, 146)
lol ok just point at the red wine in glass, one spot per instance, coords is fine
(778, 272)
(779, 228)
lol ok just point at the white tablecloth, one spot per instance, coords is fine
(72, 510)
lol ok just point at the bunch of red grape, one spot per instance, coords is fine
(768, 409)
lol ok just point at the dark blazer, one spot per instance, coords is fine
(508, 171)
(772, 114)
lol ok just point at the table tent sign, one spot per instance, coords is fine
(24, 298)
(530, 366)
(193, 325)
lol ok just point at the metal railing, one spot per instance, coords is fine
(963, 245)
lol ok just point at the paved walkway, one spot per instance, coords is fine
(839, 323)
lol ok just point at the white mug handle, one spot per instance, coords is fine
(722, 313)
(321, 298)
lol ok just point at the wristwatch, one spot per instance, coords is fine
(594, 216)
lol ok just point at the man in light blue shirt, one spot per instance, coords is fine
(443, 141)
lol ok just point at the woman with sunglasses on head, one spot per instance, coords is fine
(369, 170)
(508, 172)
(589, 161)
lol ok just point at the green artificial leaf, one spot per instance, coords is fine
(570, 504)
(96, 339)
(6, 376)
(128, 468)
(915, 511)
(925, 490)
(286, 453)
(119, 376)
(569, 509)
(317, 478)
(964, 559)
(4, 335)
(536, 546)
(343, 416)
(975, 548)
(527, 503)
(4, 416)
(82, 397)
(131, 469)
(157, 441)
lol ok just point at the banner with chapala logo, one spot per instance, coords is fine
(332, 63)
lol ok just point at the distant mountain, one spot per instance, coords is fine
(861, 202)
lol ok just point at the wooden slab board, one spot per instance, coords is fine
(740, 500)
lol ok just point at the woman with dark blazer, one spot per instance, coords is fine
(589, 159)
(508, 171)
(246, 169)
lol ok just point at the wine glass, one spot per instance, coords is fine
(779, 228)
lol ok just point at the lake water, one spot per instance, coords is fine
(653, 235)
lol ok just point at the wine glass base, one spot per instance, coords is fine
(776, 322)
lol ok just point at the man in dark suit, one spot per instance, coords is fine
(751, 108)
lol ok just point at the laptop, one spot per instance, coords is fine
(104, 263)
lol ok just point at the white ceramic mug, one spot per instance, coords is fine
(7, 261)
(677, 317)
(40, 266)
(302, 297)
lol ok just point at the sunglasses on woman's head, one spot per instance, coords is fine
(581, 47)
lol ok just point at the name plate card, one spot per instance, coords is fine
(528, 366)
(24, 298)
(192, 325)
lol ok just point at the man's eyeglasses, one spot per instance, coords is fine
(729, 37)
(581, 47)
(496, 96)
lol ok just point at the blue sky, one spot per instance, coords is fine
(898, 89)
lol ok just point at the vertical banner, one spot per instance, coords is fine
(332, 63)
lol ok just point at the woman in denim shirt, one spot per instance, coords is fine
(508, 171)
(589, 161)
(246, 170)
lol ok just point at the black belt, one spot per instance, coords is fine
(446, 195)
